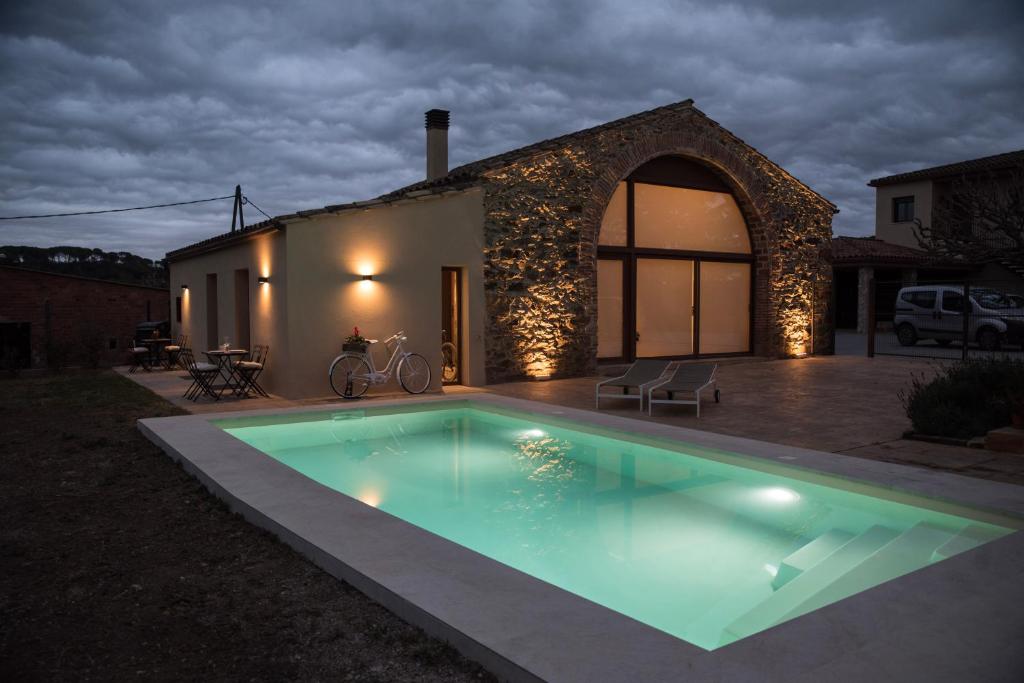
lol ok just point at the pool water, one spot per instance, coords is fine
(705, 550)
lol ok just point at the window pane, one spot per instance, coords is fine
(724, 307)
(609, 309)
(695, 220)
(664, 307)
(613, 225)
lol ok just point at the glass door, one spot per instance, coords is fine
(611, 308)
(664, 307)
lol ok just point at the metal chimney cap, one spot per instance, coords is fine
(438, 118)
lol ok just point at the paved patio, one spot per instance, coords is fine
(841, 404)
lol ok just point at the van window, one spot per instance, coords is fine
(953, 302)
(923, 299)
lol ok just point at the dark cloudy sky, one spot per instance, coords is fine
(110, 104)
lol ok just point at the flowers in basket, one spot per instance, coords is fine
(355, 342)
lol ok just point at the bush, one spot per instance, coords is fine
(966, 399)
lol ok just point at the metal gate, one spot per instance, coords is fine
(953, 320)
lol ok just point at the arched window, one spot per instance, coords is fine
(674, 270)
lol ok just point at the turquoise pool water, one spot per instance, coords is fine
(707, 551)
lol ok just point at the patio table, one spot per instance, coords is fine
(224, 360)
(155, 346)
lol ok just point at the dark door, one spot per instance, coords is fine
(451, 325)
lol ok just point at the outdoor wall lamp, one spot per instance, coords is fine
(263, 280)
(184, 288)
(367, 278)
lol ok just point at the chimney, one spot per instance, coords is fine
(437, 143)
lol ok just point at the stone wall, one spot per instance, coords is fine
(543, 212)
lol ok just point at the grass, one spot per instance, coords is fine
(115, 563)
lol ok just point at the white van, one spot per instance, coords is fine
(937, 312)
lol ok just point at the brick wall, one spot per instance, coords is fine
(78, 312)
(543, 212)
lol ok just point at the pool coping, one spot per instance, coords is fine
(955, 620)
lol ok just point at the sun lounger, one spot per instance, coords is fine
(640, 374)
(687, 381)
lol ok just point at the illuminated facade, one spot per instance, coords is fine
(657, 235)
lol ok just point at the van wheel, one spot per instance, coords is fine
(906, 334)
(988, 339)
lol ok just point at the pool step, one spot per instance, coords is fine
(910, 550)
(971, 536)
(809, 555)
(813, 580)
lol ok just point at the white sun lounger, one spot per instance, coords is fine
(688, 380)
(640, 374)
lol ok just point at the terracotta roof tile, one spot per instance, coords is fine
(992, 163)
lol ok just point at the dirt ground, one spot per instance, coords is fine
(115, 564)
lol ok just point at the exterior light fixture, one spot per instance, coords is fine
(263, 280)
(367, 278)
(184, 288)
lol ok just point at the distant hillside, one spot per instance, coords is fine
(118, 266)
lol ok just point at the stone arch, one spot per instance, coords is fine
(743, 180)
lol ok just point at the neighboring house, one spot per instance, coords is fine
(894, 256)
(82, 320)
(657, 235)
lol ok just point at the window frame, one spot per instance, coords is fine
(905, 200)
(630, 253)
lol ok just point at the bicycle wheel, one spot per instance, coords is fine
(414, 373)
(449, 364)
(350, 376)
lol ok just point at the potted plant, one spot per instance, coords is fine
(355, 342)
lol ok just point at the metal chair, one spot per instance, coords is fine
(174, 351)
(248, 371)
(140, 356)
(203, 376)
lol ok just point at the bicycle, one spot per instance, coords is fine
(449, 360)
(352, 373)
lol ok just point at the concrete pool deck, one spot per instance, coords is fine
(955, 620)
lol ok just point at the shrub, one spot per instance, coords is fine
(965, 399)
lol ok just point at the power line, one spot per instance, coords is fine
(133, 208)
(249, 202)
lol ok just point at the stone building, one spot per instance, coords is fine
(657, 235)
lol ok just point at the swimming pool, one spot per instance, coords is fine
(700, 544)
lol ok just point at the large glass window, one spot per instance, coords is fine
(671, 230)
(664, 307)
(614, 223)
(691, 220)
(724, 307)
(609, 308)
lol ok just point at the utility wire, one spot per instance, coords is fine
(134, 208)
(246, 201)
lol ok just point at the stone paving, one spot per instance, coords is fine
(842, 404)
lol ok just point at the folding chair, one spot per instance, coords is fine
(249, 371)
(203, 376)
(139, 356)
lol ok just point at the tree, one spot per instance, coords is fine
(978, 219)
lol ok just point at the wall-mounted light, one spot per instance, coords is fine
(184, 288)
(263, 280)
(367, 278)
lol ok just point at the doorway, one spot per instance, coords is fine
(451, 325)
(211, 311)
(241, 339)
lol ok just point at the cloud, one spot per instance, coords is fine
(311, 103)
